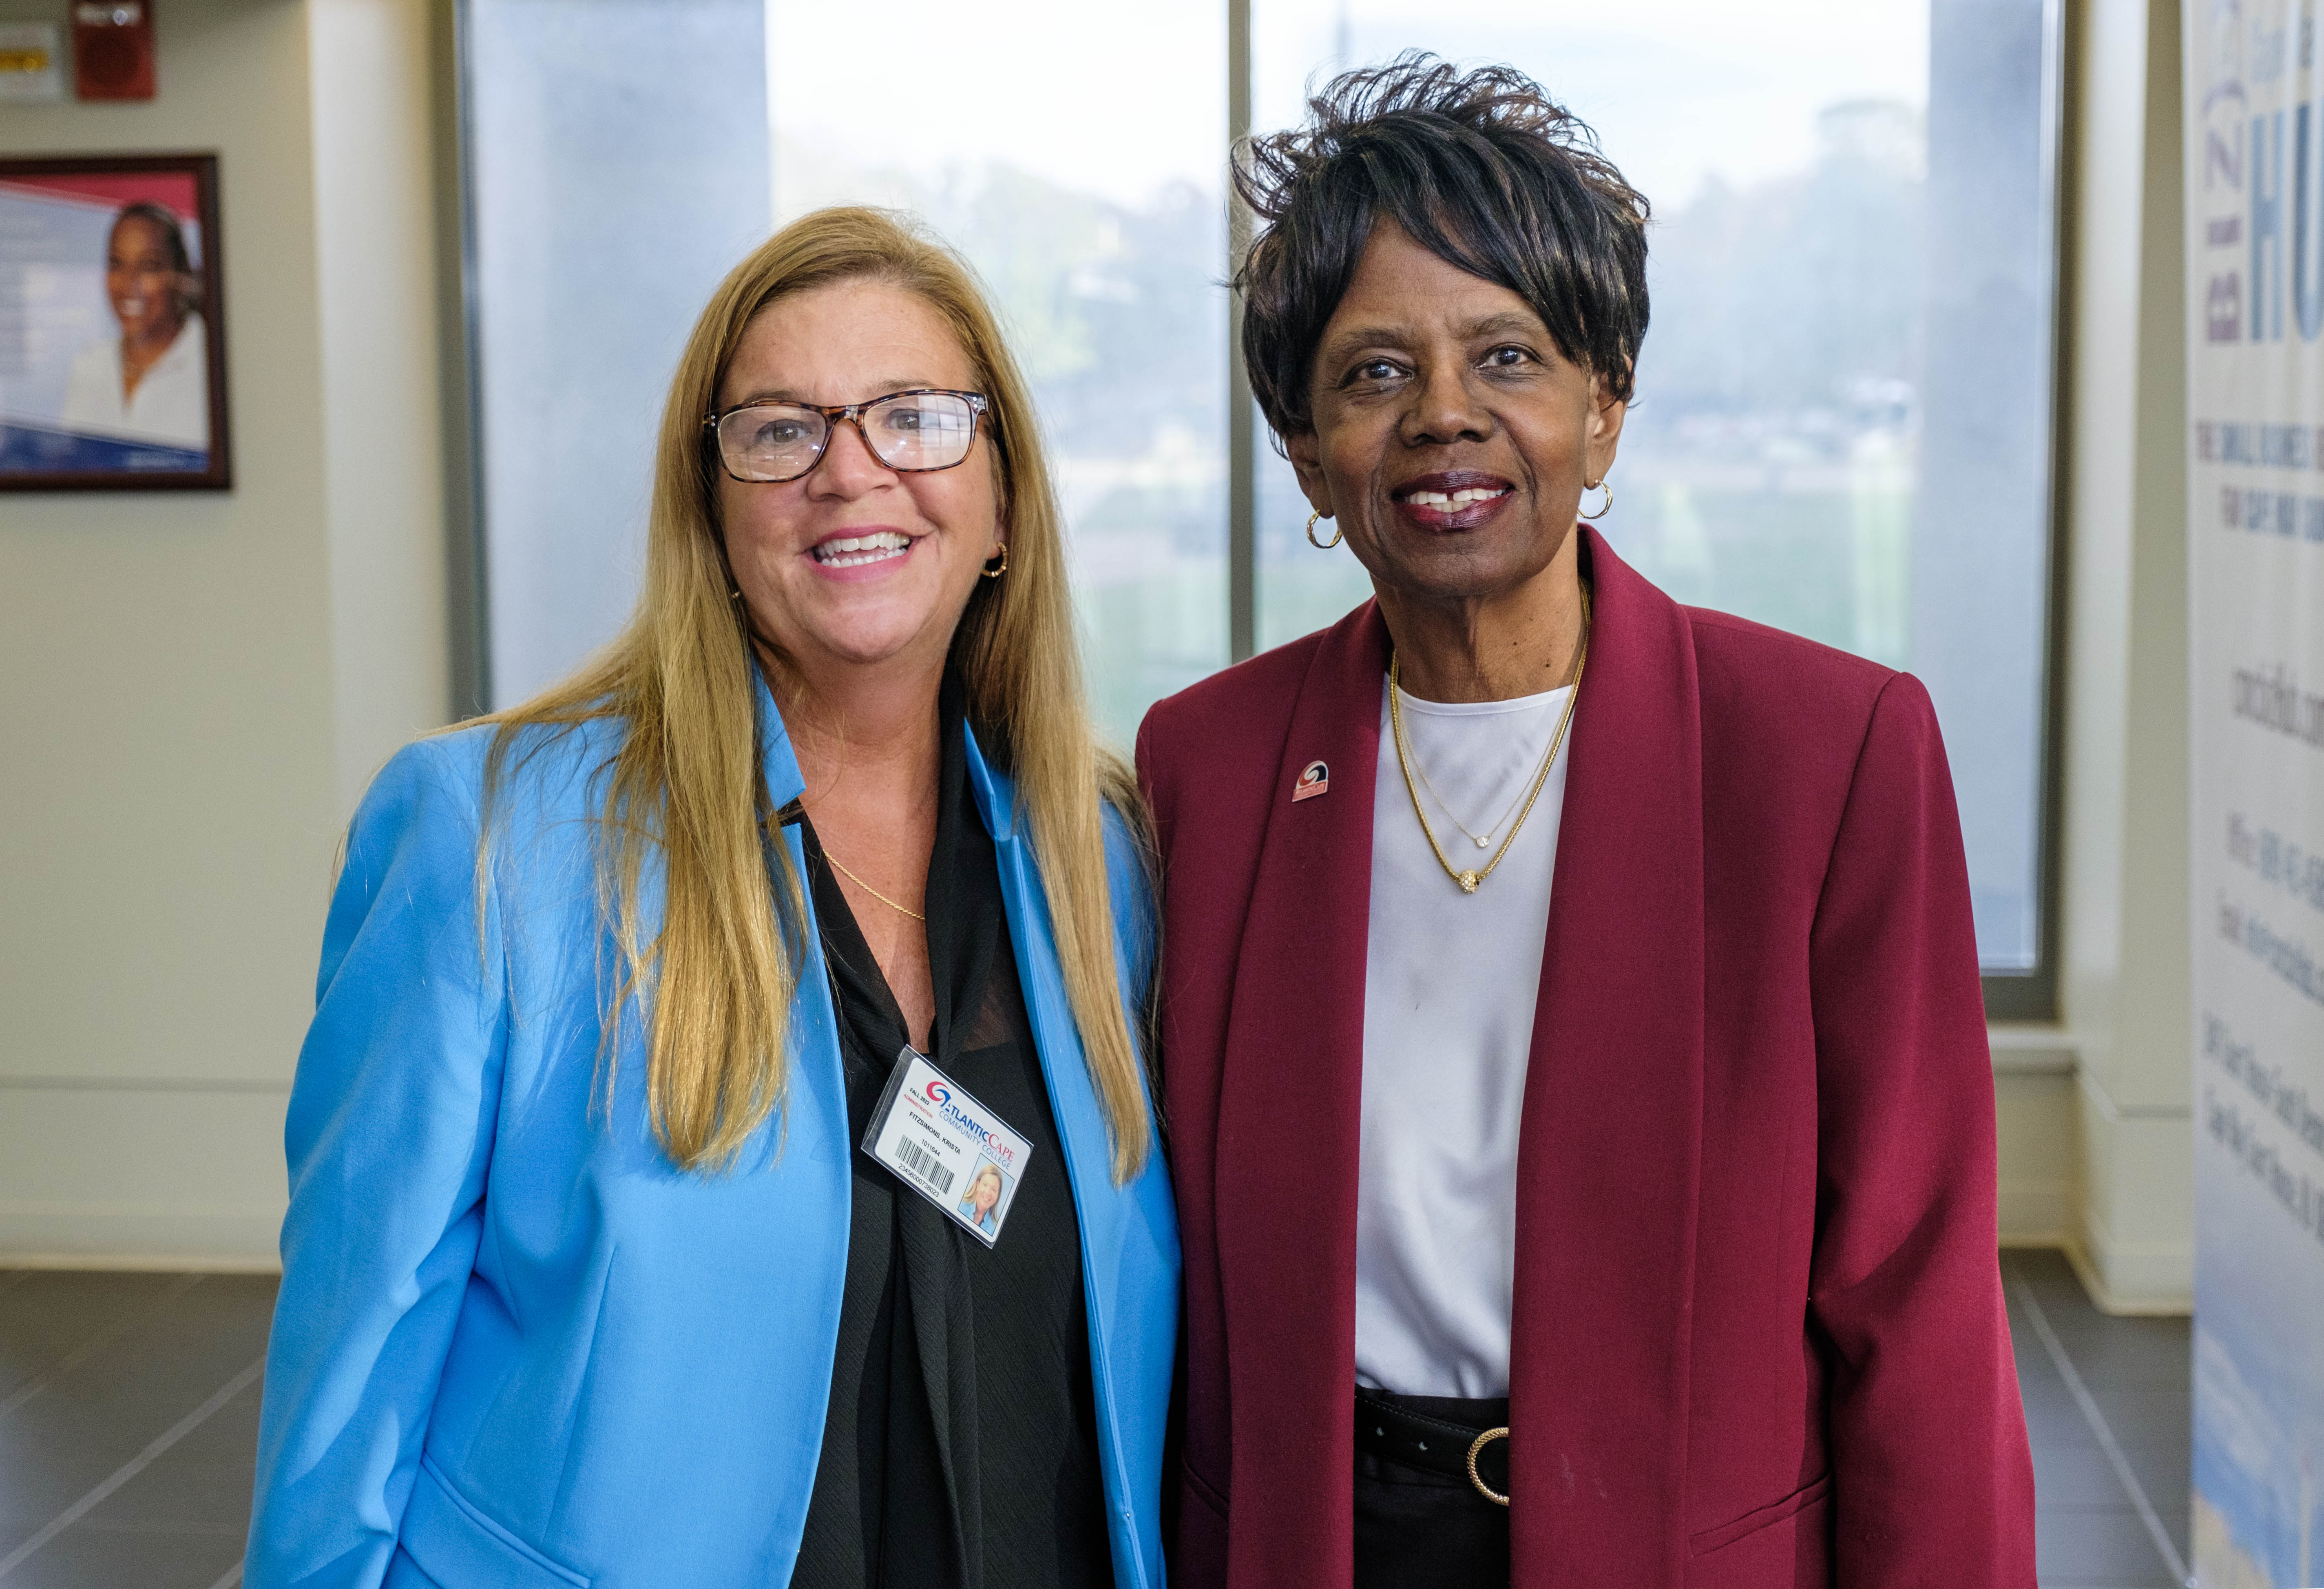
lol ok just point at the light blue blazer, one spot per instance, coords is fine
(514, 1344)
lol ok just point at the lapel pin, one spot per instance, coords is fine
(1314, 778)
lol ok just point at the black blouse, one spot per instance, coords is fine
(961, 1447)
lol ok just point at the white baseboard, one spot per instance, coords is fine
(2133, 1238)
(89, 1236)
(2132, 1279)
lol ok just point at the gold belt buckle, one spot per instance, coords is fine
(1476, 1446)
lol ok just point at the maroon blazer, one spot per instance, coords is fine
(1757, 1337)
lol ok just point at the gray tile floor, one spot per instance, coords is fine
(128, 1423)
(2107, 1410)
(129, 1408)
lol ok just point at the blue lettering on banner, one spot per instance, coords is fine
(2286, 956)
(2278, 861)
(2307, 218)
(2280, 513)
(2223, 161)
(2273, 447)
(2267, 229)
(2299, 1196)
(2223, 309)
(2237, 304)
(2268, 695)
(2268, 1086)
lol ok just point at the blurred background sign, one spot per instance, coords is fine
(2254, 175)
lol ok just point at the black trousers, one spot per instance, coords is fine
(1416, 1526)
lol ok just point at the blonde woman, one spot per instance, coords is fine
(603, 1263)
(983, 1199)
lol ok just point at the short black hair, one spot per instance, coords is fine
(160, 218)
(1483, 170)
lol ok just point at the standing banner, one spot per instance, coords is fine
(2254, 174)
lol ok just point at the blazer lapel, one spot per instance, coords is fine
(1105, 1212)
(813, 1120)
(1288, 1125)
(1065, 1064)
(1610, 1148)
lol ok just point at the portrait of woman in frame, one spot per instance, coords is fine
(112, 341)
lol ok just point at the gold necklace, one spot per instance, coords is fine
(1404, 762)
(1483, 841)
(874, 892)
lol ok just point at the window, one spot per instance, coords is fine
(1843, 416)
(621, 157)
(1100, 231)
(617, 168)
(1843, 422)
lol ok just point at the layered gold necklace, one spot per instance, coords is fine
(1407, 763)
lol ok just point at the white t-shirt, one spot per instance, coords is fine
(1449, 984)
(172, 403)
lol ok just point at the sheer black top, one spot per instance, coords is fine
(961, 1448)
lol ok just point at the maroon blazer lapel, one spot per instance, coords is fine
(1609, 1150)
(1288, 1125)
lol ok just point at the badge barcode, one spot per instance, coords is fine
(923, 1163)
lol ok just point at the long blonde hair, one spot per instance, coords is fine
(686, 783)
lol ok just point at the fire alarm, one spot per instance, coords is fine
(113, 49)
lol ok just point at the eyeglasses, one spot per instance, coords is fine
(914, 432)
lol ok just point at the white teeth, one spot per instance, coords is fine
(1458, 499)
(848, 551)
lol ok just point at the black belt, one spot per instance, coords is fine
(1391, 1428)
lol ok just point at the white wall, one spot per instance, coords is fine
(375, 226)
(197, 684)
(2126, 972)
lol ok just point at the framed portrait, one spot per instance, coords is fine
(112, 324)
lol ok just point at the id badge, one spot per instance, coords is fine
(946, 1146)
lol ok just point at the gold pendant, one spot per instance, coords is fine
(1468, 881)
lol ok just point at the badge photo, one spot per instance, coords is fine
(986, 1202)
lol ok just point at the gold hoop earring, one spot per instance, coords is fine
(993, 573)
(1338, 534)
(1604, 507)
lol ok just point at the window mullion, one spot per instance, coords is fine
(1243, 462)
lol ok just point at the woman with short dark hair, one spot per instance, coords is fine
(1583, 1124)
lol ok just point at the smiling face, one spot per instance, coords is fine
(854, 563)
(1451, 439)
(986, 1192)
(142, 281)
